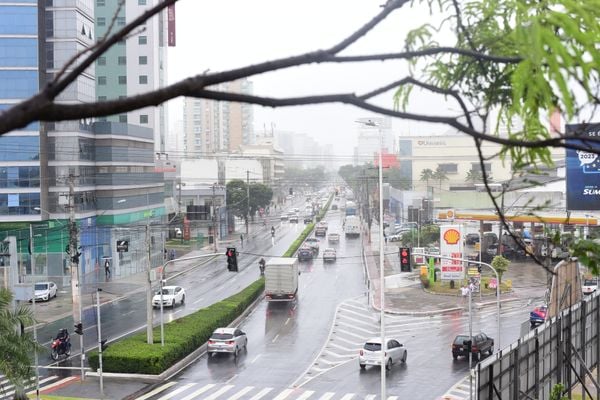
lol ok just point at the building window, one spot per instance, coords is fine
(122, 80)
(101, 60)
(143, 79)
(122, 60)
(449, 168)
(142, 39)
(101, 98)
(123, 118)
(121, 21)
(143, 119)
(101, 80)
(100, 3)
(476, 167)
(101, 21)
(143, 60)
(141, 2)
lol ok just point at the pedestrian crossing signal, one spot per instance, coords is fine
(231, 259)
(404, 259)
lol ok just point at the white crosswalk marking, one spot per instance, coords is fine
(283, 394)
(305, 395)
(157, 390)
(198, 392)
(261, 394)
(327, 396)
(177, 391)
(7, 389)
(370, 397)
(348, 396)
(241, 393)
(219, 392)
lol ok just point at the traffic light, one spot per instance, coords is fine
(404, 259)
(479, 268)
(103, 345)
(291, 191)
(79, 328)
(231, 259)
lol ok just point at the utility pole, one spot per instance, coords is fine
(100, 345)
(214, 218)
(149, 310)
(247, 199)
(75, 284)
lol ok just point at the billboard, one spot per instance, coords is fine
(583, 169)
(171, 25)
(451, 246)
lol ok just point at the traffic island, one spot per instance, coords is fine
(447, 289)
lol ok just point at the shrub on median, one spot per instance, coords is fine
(182, 336)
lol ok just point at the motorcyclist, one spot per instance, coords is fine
(273, 231)
(261, 265)
(63, 336)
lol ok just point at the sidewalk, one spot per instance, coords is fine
(404, 294)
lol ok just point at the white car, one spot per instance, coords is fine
(45, 291)
(227, 340)
(333, 237)
(172, 295)
(589, 286)
(370, 354)
(329, 254)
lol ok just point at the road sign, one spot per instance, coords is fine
(122, 245)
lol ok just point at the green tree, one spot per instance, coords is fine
(14, 346)
(474, 176)
(397, 179)
(260, 197)
(237, 199)
(500, 264)
(440, 175)
(426, 175)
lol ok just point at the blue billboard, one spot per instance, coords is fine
(583, 169)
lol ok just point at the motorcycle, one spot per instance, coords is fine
(60, 347)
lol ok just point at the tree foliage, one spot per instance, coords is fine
(426, 175)
(500, 264)
(14, 346)
(238, 200)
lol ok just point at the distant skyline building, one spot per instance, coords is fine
(136, 65)
(215, 126)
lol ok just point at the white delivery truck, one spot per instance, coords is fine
(352, 226)
(281, 279)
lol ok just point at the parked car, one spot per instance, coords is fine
(397, 237)
(480, 344)
(294, 218)
(171, 296)
(589, 286)
(227, 340)
(370, 354)
(313, 243)
(333, 238)
(45, 291)
(305, 253)
(538, 315)
(329, 254)
(471, 239)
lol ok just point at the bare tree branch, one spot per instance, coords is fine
(428, 52)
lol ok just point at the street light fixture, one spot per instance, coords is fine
(381, 259)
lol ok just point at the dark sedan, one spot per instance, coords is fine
(479, 344)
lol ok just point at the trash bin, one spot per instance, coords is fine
(424, 270)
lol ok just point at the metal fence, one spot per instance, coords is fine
(563, 350)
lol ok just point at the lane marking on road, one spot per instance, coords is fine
(219, 392)
(242, 392)
(255, 358)
(348, 396)
(305, 395)
(367, 331)
(287, 321)
(362, 321)
(392, 398)
(370, 397)
(261, 394)
(130, 312)
(90, 327)
(199, 300)
(178, 311)
(170, 395)
(232, 378)
(157, 390)
(197, 392)
(341, 332)
(327, 396)
(283, 394)
(275, 338)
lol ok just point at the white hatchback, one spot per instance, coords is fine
(370, 354)
(227, 340)
(329, 254)
(171, 296)
(589, 286)
(45, 291)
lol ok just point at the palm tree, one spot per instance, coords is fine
(15, 345)
(440, 175)
(474, 176)
(426, 175)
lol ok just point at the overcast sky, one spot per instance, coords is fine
(217, 35)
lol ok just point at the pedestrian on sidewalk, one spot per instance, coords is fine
(464, 292)
(172, 254)
(107, 269)
(242, 239)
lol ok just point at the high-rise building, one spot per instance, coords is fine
(136, 65)
(214, 126)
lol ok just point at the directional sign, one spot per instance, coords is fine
(123, 245)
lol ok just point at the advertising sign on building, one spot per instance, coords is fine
(171, 25)
(583, 169)
(451, 246)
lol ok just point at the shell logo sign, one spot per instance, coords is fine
(451, 236)
(450, 214)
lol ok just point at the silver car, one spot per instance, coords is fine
(227, 340)
(370, 354)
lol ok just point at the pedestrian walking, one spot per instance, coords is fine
(464, 292)
(172, 257)
(242, 239)
(107, 269)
